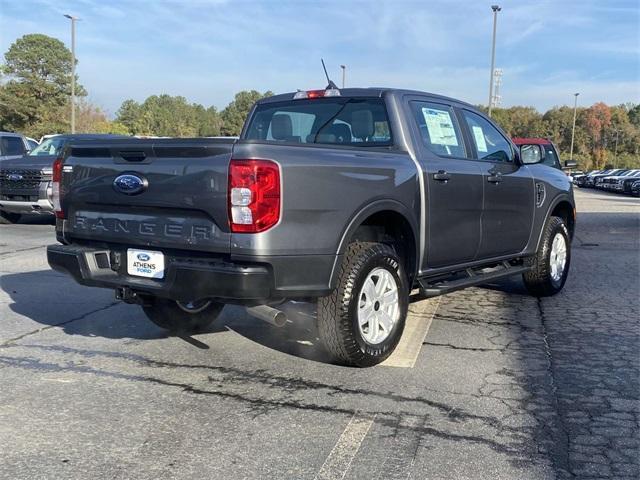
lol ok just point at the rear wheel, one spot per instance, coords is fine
(182, 317)
(550, 265)
(9, 217)
(362, 321)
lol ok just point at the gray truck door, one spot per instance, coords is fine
(507, 215)
(453, 185)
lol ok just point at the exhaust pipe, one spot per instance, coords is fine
(275, 317)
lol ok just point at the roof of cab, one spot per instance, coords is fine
(89, 136)
(366, 92)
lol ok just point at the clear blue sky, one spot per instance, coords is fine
(206, 50)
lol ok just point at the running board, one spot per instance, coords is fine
(433, 288)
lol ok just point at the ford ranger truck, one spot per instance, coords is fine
(349, 198)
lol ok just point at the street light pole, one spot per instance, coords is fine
(344, 73)
(615, 152)
(495, 9)
(573, 129)
(73, 71)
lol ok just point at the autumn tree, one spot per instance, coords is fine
(597, 120)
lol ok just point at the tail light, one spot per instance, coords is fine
(56, 192)
(254, 195)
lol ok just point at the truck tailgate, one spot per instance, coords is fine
(182, 203)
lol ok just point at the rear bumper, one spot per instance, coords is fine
(191, 278)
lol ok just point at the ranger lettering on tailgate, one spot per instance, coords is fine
(150, 227)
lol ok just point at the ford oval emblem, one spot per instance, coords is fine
(15, 177)
(130, 184)
(143, 257)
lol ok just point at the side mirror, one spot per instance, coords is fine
(530, 154)
(570, 164)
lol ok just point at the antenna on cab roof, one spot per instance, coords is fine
(331, 85)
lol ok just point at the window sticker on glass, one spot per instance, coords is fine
(440, 127)
(478, 134)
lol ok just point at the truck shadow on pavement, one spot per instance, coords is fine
(53, 300)
(43, 297)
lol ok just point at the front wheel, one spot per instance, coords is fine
(8, 218)
(182, 317)
(550, 265)
(362, 321)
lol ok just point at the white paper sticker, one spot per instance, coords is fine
(440, 127)
(478, 134)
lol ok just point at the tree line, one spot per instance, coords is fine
(604, 135)
(35, 100)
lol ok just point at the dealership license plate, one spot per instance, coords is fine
(145, 263)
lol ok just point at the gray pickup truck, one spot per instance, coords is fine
(351, 198)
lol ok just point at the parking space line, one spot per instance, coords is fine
(337, 464)
(415, 330)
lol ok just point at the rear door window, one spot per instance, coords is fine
(340, 121)
(439, 129)
(489, 143)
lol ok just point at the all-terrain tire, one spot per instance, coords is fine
(170, 315)
(338, 326)
(539, 280)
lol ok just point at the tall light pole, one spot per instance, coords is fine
(573, 129)
(615, 152)
(495, 9)
(73, 71)
(344, 73)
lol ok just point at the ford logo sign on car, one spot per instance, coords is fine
(143, 257)
(130, 184)
(15, 177)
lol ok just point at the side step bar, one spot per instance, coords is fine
(434, 287)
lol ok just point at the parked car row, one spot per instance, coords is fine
(26, 174)
(619, 180)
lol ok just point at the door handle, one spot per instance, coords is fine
(497, 178)
(441, 176)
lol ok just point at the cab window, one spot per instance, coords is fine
(356, 122)
(488, 142)
(439, 129)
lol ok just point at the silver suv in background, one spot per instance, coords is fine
(25, 180)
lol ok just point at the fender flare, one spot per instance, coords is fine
(360, 216)
(552, 205)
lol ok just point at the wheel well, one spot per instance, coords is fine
(391, 228)
(564, 210)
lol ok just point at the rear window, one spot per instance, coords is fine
(51, 146)
(361, 122)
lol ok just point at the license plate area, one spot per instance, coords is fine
(145, 263)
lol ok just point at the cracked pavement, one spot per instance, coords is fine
(506, 386)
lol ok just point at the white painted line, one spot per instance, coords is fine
(337, 464)
(415, 330)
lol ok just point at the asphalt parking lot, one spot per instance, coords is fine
(503, 386)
